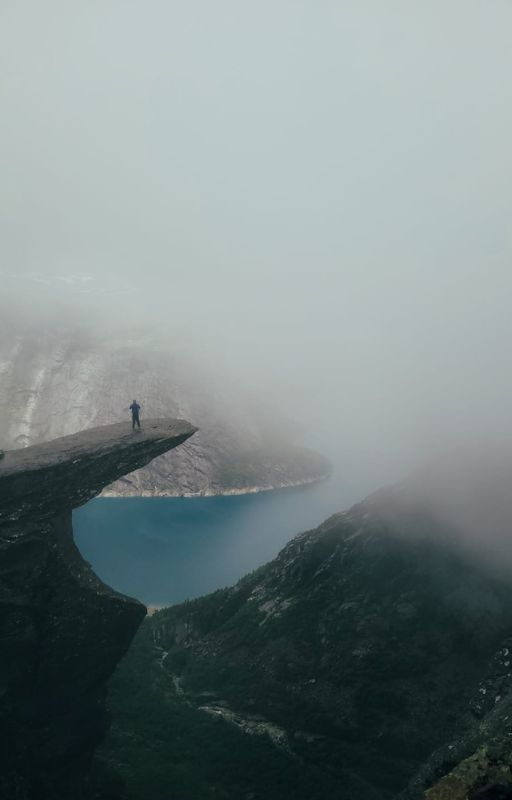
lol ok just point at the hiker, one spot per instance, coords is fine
(135, 408)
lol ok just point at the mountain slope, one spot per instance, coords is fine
(360, 648)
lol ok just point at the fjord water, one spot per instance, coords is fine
(164, 550)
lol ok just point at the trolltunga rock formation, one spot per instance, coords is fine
(62, 631)
(60, 380)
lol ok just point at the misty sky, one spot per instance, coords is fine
(317, 193)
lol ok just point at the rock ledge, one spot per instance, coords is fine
(62, 631)
(69, 471)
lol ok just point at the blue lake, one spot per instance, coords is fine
(165, 550)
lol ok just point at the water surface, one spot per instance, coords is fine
(165, 550)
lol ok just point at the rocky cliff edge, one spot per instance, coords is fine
(62, 631)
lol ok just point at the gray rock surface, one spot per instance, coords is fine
(69, 471)
(56, 383)
(62, 631)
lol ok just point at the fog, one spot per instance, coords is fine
(315, 196)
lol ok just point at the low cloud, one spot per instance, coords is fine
(312, 199)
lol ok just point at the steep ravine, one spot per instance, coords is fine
(62, 631)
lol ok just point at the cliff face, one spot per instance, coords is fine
(62, 631)
(55, 384)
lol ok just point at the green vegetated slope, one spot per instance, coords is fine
(166, 749)
(335, 670)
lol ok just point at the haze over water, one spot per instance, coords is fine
(311, 198)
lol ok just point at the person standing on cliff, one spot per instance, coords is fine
(135, 408)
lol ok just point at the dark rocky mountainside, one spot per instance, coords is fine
(59, 382)
(62, 631)
(365, 646)
(476, 764)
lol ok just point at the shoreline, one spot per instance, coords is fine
(226, 493)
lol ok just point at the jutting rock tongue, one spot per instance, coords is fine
(62, 631)
(58, 476)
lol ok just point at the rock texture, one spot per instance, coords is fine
(476, 763)
(369, 642)
(62, 631)
(60, 382)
